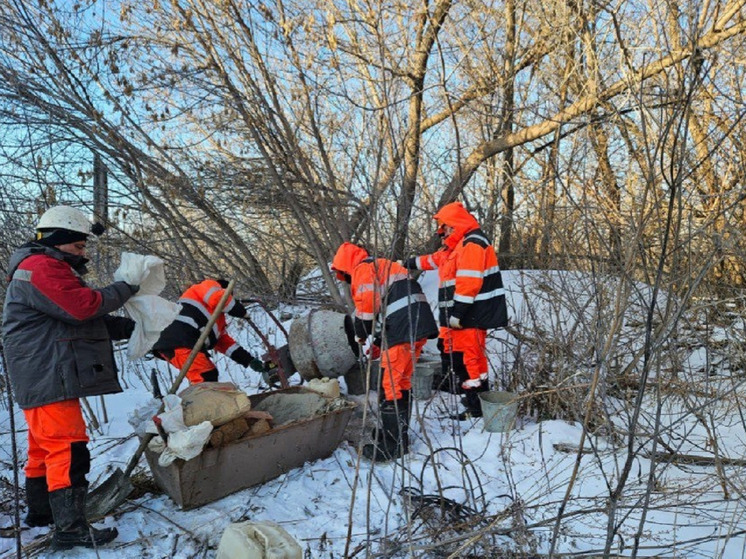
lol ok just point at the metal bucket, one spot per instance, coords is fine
(499, 410)
(422, 378)
(318, 345)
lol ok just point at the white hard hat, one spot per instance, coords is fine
(65, 217)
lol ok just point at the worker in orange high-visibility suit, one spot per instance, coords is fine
(385, 295)
(471, 300)
(57, 339)
(177, 340)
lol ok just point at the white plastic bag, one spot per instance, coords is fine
(186, 444)
(141, 418)
(172, 418)
(258, 540)
(150, 312)
(183, 442)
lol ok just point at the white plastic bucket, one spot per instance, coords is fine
(499, 410)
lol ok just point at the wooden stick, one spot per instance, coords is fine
(182, 373)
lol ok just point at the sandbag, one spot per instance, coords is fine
(326, 386)
(216, 402)
(231, 431)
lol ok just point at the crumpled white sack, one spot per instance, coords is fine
(172, 418)
(150, 312)
(186, 444)
(183, 442)
(146, 271)
(141, 418)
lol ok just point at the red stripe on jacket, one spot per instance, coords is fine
(56, 280)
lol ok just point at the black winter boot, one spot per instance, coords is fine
(452, 373)
(71, 526)
(392, 438)
(472, 403)
(37, 499)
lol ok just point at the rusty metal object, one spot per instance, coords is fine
(279, 356)
(253, 459)
(318, 345)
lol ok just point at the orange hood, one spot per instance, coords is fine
(348, 256)
(457, 216)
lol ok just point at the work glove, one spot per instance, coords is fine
(119, 327)
(374, 352)
(454, 322)
(257, 365)
(269, 374)
(133, 288)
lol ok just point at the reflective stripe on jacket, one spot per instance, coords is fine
(198, 303)
(471, 286)
(56, 342)
(383, 289)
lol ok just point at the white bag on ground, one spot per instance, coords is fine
(258, 540)
(150, 312)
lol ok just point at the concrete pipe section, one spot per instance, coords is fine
(318, 345)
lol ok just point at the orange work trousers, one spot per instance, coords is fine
(201, 364)
(397, 364)
(57, 445)
(471, 342)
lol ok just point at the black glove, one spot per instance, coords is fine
(257, 365)
(119, 327)
(133, 288)
(410, 263)
(237, 310)
(242, 357)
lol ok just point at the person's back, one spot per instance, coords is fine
(391, 307)
(198, 303)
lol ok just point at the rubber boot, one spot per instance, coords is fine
(37, 499)
(452, 373)
(392, 438)
(71, 526)
(379, 433)
(472, 403)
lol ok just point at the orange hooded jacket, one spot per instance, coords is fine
(471, 287)
(198, 303)
(382, 289)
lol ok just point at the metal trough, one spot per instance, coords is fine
(253, 460)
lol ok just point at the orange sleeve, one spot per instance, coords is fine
(365, 292)
(469, 273)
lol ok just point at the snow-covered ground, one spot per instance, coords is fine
(510, 485)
